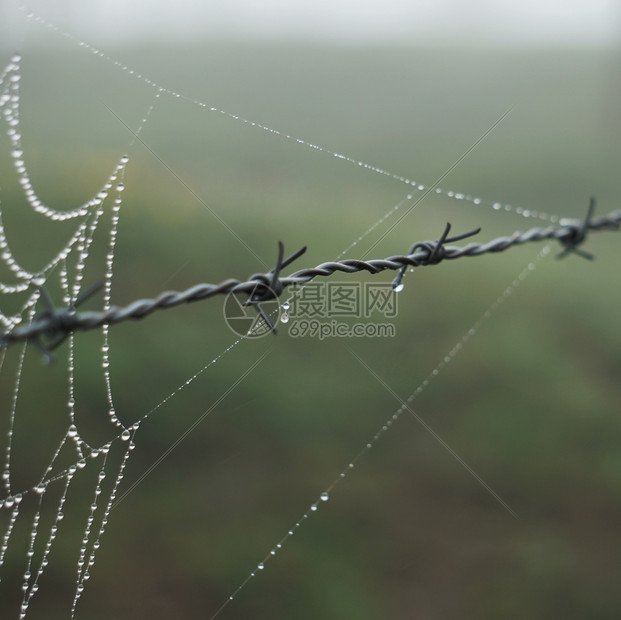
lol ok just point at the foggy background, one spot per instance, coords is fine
(478, 22)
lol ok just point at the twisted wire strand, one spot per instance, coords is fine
(56, 324)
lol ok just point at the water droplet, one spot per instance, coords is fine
(286, 306)
(125, 435)
(284, 317)
(73, 431)
(398, 288)
(261, 566)
(314, 507)
(324, 497)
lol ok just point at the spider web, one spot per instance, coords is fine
(71, 452)
(41, 501)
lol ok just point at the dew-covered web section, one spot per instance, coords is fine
(42, 501)
(67, 268)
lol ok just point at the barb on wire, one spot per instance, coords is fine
(57, 323)
(579, 233)
(50, 328)
(436, 252)
(269, 285)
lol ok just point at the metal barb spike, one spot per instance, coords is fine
(435, 249)
(59, 321)
(88, 293)
(577, 236)
(437, 254)
(275, 287)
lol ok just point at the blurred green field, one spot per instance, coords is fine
(531, 404)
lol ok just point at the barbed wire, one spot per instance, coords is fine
(52, 326)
